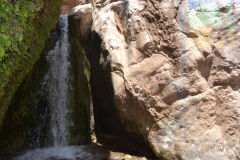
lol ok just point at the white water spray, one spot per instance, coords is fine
(58, 84)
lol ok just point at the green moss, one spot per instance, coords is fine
(23, 48)
(80, 93)
(30, 24)
(87, 71)
(18, 119)
(22, 114)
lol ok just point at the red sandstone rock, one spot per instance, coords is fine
(177, 86)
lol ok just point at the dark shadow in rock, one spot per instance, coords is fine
(109, 130)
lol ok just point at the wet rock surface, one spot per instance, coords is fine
(88, 152)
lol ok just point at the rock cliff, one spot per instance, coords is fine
(24, 28)
(170, 71)
(69, 4)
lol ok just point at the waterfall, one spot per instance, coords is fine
(58, 85)
(54, 101)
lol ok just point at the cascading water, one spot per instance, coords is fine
(58, 83)
(55, 90)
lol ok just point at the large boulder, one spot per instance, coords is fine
(174, 70)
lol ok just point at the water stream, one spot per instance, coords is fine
(56, 86)
(58, 83)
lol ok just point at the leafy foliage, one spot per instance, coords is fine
(13, 20)
(15, 17)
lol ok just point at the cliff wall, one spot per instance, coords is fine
(24, 29)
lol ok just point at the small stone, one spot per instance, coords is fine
(127, 157)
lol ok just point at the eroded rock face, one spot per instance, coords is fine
(69, 4)
(175, 73)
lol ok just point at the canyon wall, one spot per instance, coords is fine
(69, 4)
(25, 27)
(170, 69)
